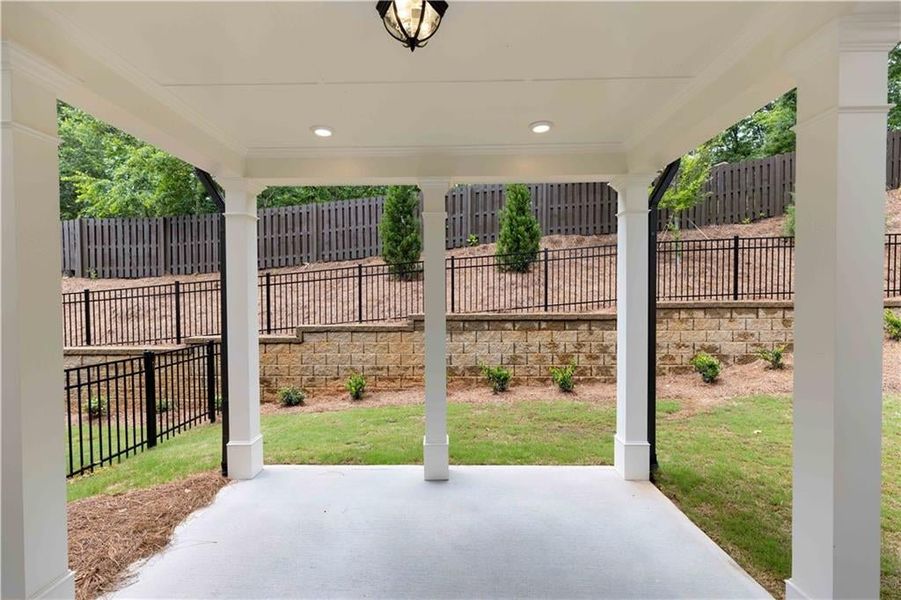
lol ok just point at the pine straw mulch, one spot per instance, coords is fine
(109, 533)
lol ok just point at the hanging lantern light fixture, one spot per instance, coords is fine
(411, 22)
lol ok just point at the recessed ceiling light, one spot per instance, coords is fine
(320, 131)
(541, 126)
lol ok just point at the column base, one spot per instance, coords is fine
(632, 459)
(64, 587)
(245, 459)
(435, 459)
(793, 592)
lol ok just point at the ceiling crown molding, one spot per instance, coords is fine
(135, 77)
(14, 57)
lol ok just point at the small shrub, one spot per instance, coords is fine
(520, 234)
(498, 377)
(291, 396)
(217, 403)
(165, 405)
(563, 377)
(94, 406)
(892, 325)
(356, 386)
(708, 366)
(472, 240)
(788, 226)
(775, 357)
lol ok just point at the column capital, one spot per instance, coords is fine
(872, 30)
(631, 180)
(251, 187)
(434, 183)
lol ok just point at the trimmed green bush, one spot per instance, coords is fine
(498, 378)
(520, 234)
(564, 377)
(708, 366)
(291, 396)
(94, 406)
(356, 386)
(892, 326)
(399, 231)
(775, 357)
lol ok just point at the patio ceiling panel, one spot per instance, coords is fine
(221, 83)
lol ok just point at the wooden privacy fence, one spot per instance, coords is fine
(348, 229)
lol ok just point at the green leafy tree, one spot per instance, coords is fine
(520, 234)
(105, 172)
(894, 87)
(292, 196)
(688, 189)
(399, 231)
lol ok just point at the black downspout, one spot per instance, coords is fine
(660, 186)
(213, 190)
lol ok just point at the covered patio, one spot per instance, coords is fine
(238, 89)
(378, 532)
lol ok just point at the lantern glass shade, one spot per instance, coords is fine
(412, 22)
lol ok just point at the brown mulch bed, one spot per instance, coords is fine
(108, 533)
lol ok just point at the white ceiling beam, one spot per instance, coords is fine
(526, 166)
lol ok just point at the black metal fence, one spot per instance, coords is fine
(569, 279)
(119, 408)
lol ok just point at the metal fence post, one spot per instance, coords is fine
(359, 293)
(150, 397)
(87, 317)
(268, 301)
(546, 282)
(453, 286)
(735, 243)
(211, 380)
(178, 312)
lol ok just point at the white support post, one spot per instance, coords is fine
(33, 522)
(435, 443)
(631, 452)
(840, 196)
(245, 442)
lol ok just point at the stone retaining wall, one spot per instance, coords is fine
(391, 355)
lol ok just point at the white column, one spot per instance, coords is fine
(33, 522)
(245, 442)
(435, 443)
(840, 196)
(631, 451)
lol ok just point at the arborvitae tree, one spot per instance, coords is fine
(518, 241)
(399, 231)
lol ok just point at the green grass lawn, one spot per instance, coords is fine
(728, 469)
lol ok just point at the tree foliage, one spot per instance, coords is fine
(520, 233)
(292, 196)
(764, 133)
(894, 87)
(399, 231)
(688, 189)
(105, 172)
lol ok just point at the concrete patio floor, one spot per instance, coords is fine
(489, 532)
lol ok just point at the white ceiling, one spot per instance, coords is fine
(255, 76)
(268, 72)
